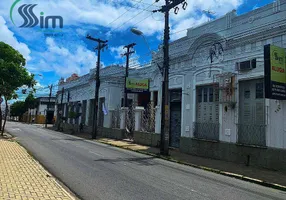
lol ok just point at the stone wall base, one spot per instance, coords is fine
(269, 158)
(149, 139)
(111, 133)
(70, 128)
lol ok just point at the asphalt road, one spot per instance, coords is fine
(97, 171)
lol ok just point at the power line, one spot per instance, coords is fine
(146, 3)
(234, 36)
(142, 20)
(132, 17)
(256, 12)
(123, 13)
(157, 19)
(179, 52)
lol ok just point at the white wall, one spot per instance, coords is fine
(264, 23)
(277, 124)
(42, 109)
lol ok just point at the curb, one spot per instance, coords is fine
(229, 174)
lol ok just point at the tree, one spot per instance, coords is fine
(13, 75)
(7, 98)
(30, 103)
(17, 109)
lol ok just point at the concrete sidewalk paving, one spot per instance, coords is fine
(21, 177)
(257, 175)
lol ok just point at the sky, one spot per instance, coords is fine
(55, 53)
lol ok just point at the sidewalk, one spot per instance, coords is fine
(21, 177)
(257, 175)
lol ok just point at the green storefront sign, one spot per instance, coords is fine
(275, 72)
(137, 85)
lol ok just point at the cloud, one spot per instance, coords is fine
(63, 61)
(219, 7)
(81, 32)
(120, 15)
(8, 37)
(113, 15)
(117, 51)
(134, 61)
(177, 32)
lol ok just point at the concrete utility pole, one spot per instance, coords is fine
(60, 120)
(50, 95)
(127, 54)
(101, 45)
(165, 114)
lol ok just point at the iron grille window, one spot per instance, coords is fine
(205, 94)
(200, 95)
(211, 95)
(246, 94)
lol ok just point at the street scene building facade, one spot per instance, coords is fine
(217, 98)
(44, 109)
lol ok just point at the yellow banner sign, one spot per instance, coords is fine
(277, 58)
(137, 85)
(275, 72)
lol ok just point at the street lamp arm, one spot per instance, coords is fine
(146, 42)
(140, 33)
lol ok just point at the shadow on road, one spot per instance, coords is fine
(68, 139)
(140, 161)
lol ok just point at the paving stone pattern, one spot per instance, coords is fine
(21, 177)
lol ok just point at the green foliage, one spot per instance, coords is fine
(72, 115)
(30, 101)
(18, 108)
(10, 55)
(13, 75)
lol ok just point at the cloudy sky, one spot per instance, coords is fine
(70, 52)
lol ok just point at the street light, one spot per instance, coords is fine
(140, 33)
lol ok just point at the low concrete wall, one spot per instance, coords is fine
(111, 133)
(149, 139)
(70, 128)
(269, 158)
(87, 129)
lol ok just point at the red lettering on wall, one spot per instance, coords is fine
(278, 69)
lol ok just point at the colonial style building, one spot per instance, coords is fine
(218, 107)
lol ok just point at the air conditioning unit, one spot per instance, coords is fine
(246, 65)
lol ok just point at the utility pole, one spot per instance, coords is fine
(50, 95)
(127, 54)
(60, 120)
(101, 45)
(165, 114)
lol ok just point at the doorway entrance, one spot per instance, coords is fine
(251, 127)
(175, 117)
(207, 113)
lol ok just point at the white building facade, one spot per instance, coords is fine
(218, 107)
(219, 69)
